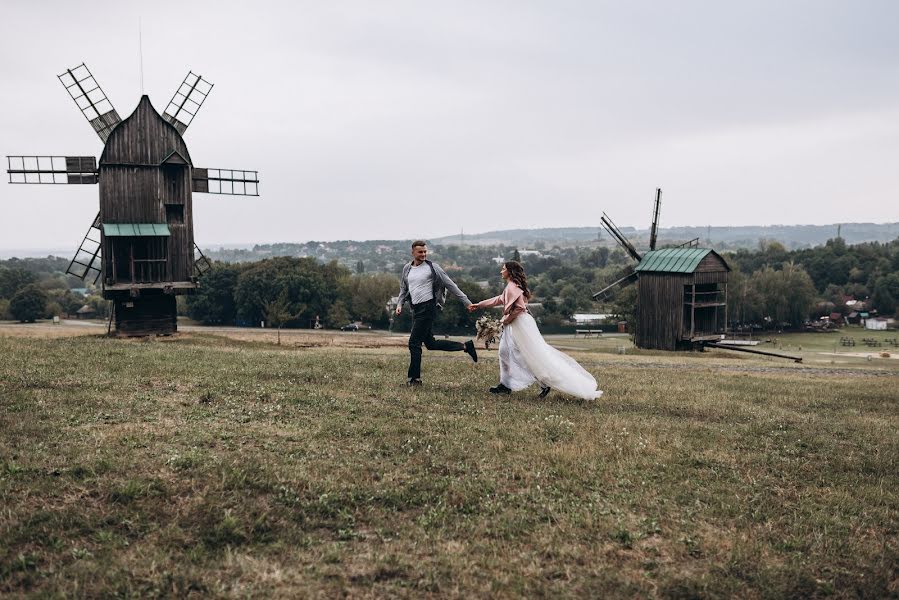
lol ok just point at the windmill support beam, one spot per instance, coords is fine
(622, 282)
(752, 351)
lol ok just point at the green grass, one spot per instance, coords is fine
(200, 465)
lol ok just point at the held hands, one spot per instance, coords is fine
(472, 307)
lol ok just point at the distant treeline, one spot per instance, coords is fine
(769, 284)
(721, 238)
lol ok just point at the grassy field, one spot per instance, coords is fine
(233, 467)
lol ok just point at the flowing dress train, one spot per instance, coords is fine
(525, 357)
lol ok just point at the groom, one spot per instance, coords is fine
(425, 284)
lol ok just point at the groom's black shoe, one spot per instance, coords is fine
(413, 382)
(500, 389)
(544, 392)
(470, 351)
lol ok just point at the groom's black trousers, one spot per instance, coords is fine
(423, 316)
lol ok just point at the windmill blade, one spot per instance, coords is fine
(87, 260)
(91, 100)
(202, 264)
(655, 220)
(623, 282)
(615, 233)
(186, 102)
(52, 169)
(231, 182)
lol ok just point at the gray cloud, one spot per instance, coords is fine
(408, 119)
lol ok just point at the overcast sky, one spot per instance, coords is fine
(401, 119)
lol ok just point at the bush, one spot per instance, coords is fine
(29, 304)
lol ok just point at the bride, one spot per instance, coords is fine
(524, 356)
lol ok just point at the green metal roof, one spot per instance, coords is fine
(136, 229)
(673, 260)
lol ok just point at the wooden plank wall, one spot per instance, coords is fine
(711, 263)
(660, 310)
(134, 188)
(177, 190)
(715, 277)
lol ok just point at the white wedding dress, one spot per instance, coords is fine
(525, 357)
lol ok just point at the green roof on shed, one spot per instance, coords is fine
(673, 260)
(136, 229)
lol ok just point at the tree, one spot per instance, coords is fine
(516, 256)
(100, 305)
(308, 284)
(624, 305)
(66, 301)
(743, 299)
(360, 267)
(279, 311)
(598, 258)
(787, 295)
(213, 303)
(800, 293)
(14, 279)
(337, 314)
(368, 296)
(569, 297)
(886, 294)
(28, 304)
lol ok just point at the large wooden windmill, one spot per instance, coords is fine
(681, 291)
(141, 243)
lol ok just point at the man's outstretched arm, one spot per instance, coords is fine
(451, 286)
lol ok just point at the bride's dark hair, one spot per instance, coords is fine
(516, 274)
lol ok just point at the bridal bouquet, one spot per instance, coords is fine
(488, 329)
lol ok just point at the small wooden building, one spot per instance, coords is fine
(681, 297)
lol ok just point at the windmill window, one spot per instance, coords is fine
(174, 214)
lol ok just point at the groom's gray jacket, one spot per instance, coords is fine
(440, 281)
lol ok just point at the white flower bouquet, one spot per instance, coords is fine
(489, 330)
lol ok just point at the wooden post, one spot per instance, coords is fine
(693, 310)
(115, 249)
(725, 307)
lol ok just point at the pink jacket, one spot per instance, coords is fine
(512, 300)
